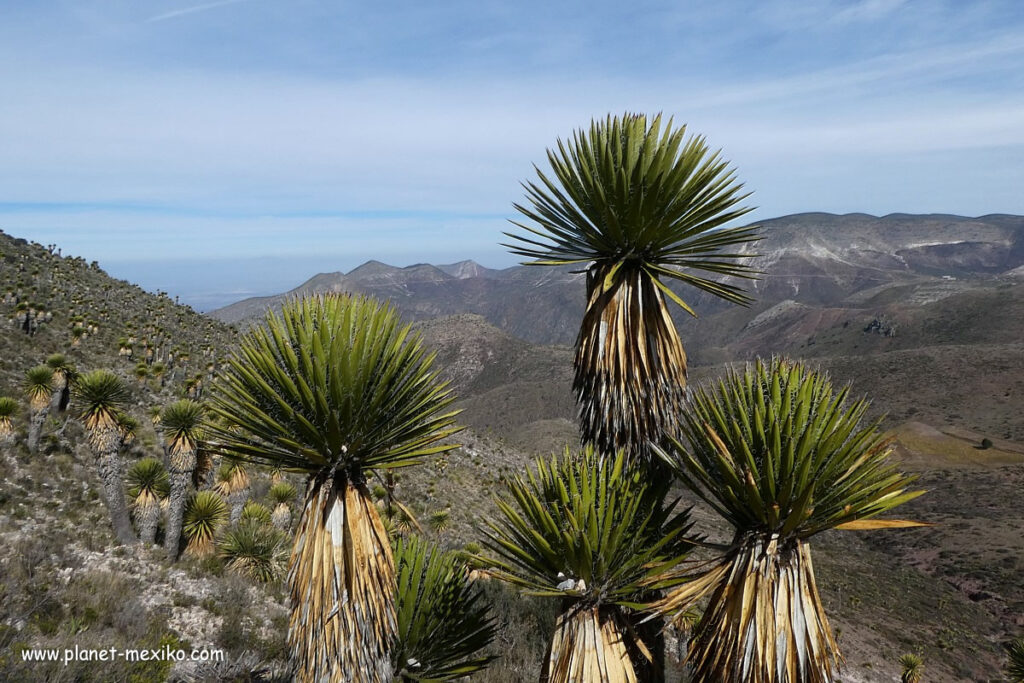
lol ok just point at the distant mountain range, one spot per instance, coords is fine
(809, 260)
(925, 313)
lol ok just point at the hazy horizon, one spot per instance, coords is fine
(207, 284)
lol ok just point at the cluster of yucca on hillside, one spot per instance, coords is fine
(101, 396)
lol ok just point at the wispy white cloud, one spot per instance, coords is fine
(191, 10)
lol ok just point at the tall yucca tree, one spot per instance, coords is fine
(101, 396)
(181, 424)
(335, 387)
(781, 456)
(444, 623)
(148, 486)
(599, 536)
(38, 386)
(638, 205)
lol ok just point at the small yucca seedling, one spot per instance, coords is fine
(600, 536)
(205, 514)
(253, 549)
(781, 456)
(443, 622)
(913, 668)
(148, 486)
(439, 521)
(255, 512)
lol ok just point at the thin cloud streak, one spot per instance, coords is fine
(191, 10)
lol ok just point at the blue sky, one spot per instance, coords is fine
(223, 149)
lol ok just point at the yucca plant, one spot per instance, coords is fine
(129, 427)
(181, 424)
(205, 513)
(439, 521)
(282, 494)
(443, 621)
(335, 387)
(255, 512)
(8, 409)
(637, 205)
(253, 549)
(232, 482)
(1015, 661)
(148, 486)
(781, 456)
(600, 536)
(102, 395)
(63, 375)
(38, 388)
(913, 668)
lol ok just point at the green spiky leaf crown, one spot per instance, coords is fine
(584, 518)
(631, 198)
(332, 383)
(776, 448)
(444, 624)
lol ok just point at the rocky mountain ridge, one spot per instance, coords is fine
(813, 259)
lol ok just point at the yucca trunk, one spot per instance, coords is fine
(147, 515)
(106, 440)
(61, 396)
(342, 583)
(765, 622)
(39, 409)
(237, 499)
(180, 464)
(282, 516)
(589, 646)
(630, 379)
(6, 431)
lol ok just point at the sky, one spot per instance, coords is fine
(224, 149)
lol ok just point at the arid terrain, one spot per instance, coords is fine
(923, 314)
